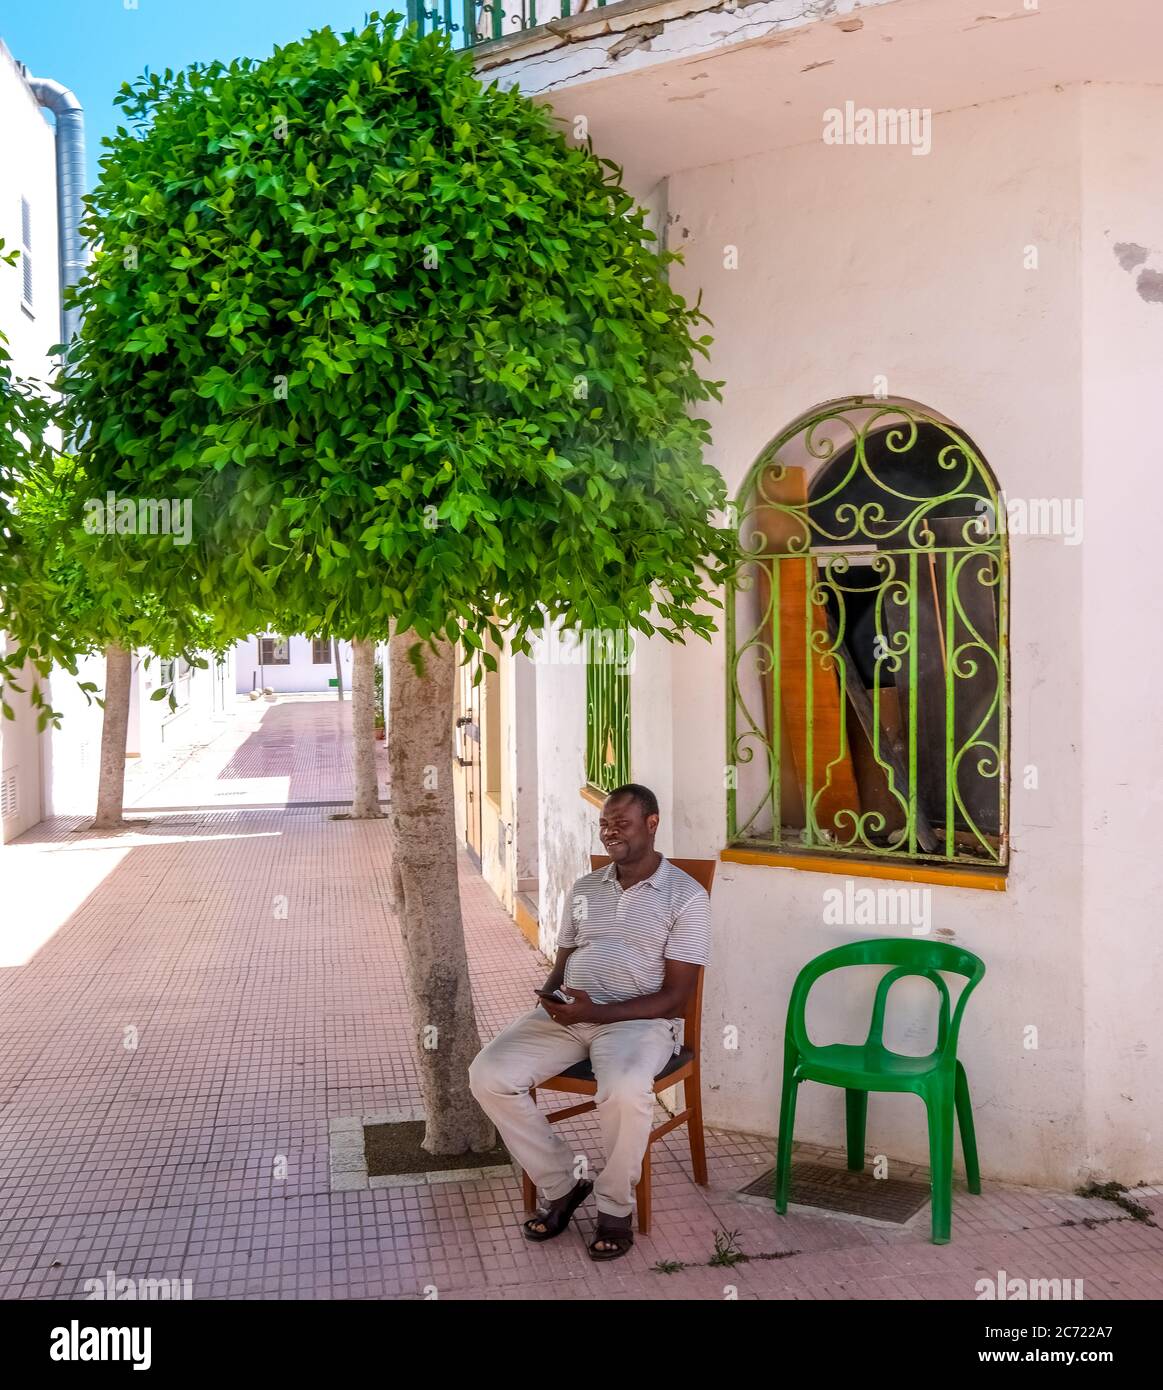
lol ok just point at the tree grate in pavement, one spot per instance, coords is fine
(395, 1149)
(383, 1150)
(895, 1200)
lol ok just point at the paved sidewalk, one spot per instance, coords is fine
(294, 749)
(186, 1006)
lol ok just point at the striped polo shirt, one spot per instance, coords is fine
(624, 937)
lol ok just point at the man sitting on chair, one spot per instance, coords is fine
(631, 941)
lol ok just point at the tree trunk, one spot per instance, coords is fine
(338, 668)
(427, 895)
(366, 805)
(114, 733)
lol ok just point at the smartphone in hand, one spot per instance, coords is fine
(554, 994)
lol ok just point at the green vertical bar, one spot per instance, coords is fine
(448, 16)
(1003, 728)
(413, 11)
(532, 14)
(469, 23)
(606, 728)
(913, 596)
(950, 579)
(609, 728)
(597, 699)
(624, 681)
(731, 670)
(607, 724)
(599, 755)
(776, 706)
(600, 704)
(809, 706)
(497, 8)
(590, 727)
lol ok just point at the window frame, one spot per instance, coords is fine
(759, 737)
(274, 660)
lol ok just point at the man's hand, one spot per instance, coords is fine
(582, 1010)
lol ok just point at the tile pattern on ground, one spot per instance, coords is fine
(185, 1008)
(297, 749)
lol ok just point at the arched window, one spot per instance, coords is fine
(867, 699)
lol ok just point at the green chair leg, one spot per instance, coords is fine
(787, 1120)
(938, 1079)
(856, 1109)
(940, 1108)
(968, 1136)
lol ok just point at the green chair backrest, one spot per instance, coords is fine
(909, 956)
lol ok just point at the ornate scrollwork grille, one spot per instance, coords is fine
(867, 701)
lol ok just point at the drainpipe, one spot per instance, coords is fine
(70, 138)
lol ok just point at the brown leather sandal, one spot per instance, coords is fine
(612, 1230)
(555, 1218)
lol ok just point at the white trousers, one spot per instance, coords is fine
(626, 1057)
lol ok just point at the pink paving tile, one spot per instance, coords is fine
(201, 1150)
(297, 749)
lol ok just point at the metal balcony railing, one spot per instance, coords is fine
(472, 23)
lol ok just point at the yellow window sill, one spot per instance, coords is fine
(593, 796)
(991, 880)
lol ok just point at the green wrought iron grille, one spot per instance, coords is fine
(471, 23)
(607, 717)
(867, 701)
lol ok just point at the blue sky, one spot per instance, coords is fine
(93, 46)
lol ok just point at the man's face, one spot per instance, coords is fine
(626, 833)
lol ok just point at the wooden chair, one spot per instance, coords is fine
(579, 1079)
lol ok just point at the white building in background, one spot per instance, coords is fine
(204, 700)
(55, 772)
(291, 665)
(30, 319)
(909, 206)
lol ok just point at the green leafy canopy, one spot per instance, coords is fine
(410, 353)
(28, 454)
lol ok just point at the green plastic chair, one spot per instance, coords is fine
(939, 1079)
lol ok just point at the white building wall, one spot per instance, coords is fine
(497, 818)
(20, 790)
(71, 757)
(301, 676)
(1011, 280)
(206, 697)
(857, 263)
(27, 170)
(567, 822)
(523, 775)
(652, 741)
(1121, 664)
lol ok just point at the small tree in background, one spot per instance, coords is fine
(412, 357)
(57, 602)
(28, 432)
(65, 603)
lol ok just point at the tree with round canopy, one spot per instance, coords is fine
(413, 358)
